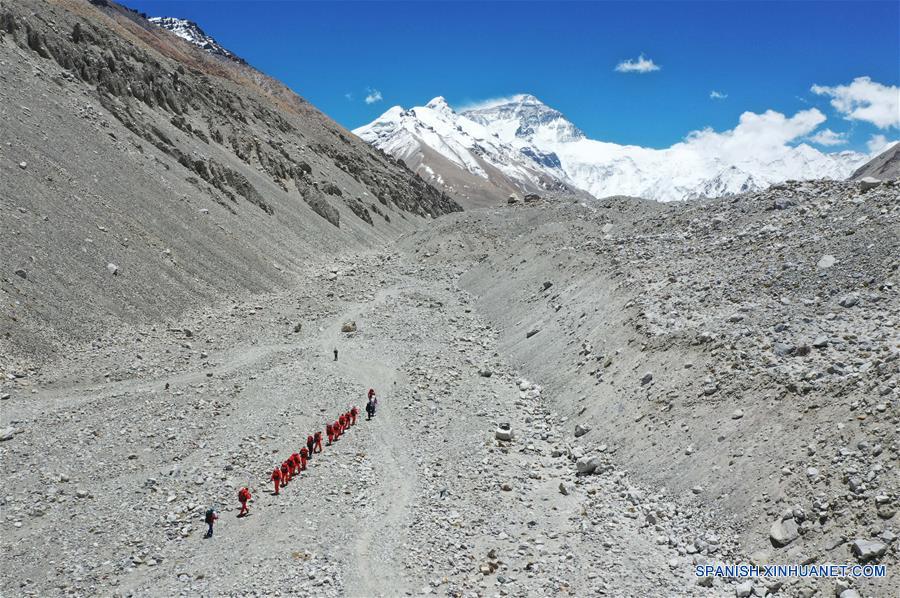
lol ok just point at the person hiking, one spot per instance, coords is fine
(370, 409)
(353, 413)
(330, 433)
(335, 354)
(304, 455)
(310, 444)
(318, 445)
(276, 478)
(371, 394)
(210, 518)
(244, 497)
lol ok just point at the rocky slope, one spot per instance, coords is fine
(741, 353)
(534, 145)
(885, 166)
(192, 33)
(142, 175)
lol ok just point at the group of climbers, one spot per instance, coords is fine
(296, 463)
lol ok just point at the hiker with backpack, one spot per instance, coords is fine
(318, 444)
(210, 518)
(353, 413)
(244, 497)
(370, 409)
(310, 444)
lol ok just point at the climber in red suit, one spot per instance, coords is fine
(353, 413)
(318, 444)
(244, 497)
(295, 464)
(276, 477)
(304, 454)
(330, 432)
(285, 473)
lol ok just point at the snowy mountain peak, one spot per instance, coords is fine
(439, 103)
(191, 32)
(526, 117)
(520, 143)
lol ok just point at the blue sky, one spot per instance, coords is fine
(762, 55)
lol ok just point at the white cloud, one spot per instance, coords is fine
(866, 100)
(373, 96)
(828, 137)
(639, 65)
(349, 96)
(757, 136)
(717, 95)
(879, 143)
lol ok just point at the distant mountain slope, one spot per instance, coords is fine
(885, 165)
(143, 176)
(526, 138)
(464, 157)
(191, 32)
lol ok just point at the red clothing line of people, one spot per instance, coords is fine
(297, 462)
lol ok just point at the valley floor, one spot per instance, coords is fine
(122, 446)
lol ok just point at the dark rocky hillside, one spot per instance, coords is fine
(131, 160)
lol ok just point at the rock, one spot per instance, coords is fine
(21, 273)
(849, 300)
(298, 327)
(581, 430)
(23, 165)
(743, 589)
(826, 262)
(512, 199)
(784, 532)
(587, 465)
(504, 433)
(849, 593)
(783, 349)
(866, 550)
(4, 396)
(506, 486)
(563, 489)
(81, 493)
(738, 414)
(7, 433)
(532, 197)
(113, 269)
(820, 342)
(782, 203)
(331, 276)
(646, 378)
(349, 326)
(547, 284)
(868, 182)
(485, 372)
(532, 332)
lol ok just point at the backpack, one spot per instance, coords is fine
(210, 513)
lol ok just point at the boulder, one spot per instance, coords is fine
(113, 269)
(866, 550)
(581, 430)
(7, 433)
(532, 332)
(868, 182)
(849, 300)
(504, 433)
(646, 378)
(349, 326)
(532, 197)
(783, 532)
(825, 262)
(21, 273)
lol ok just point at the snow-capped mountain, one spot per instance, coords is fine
(524, 138)
(190, 31)
(462, 155)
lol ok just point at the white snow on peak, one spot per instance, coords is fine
(522, 136)
(191, 31)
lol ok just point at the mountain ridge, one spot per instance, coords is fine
(523, 132)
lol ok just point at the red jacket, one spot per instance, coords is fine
(276, 475)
